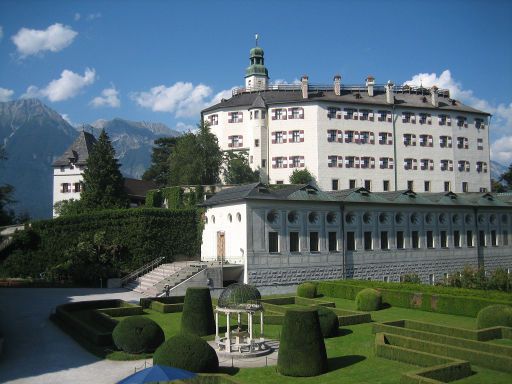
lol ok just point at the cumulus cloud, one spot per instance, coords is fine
(5, 94)
(93, 16)
(182, 99)
(67, 86)
(33, 41)
(77, 16)
(109, 98)
(501, 123)
(183, 127)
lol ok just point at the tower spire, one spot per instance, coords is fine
(256, 75)
(256, 36)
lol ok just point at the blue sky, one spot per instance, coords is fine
(166, 60)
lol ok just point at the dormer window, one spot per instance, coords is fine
(62, 168)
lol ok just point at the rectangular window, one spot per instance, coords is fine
(443, 239)
(385, 185)
(400, 239)
(464, 186)
(481, 238)
(469, 239)
(78, 187)
(213, 119)
(447, 186)
(351, 183)
(430, 239)
(264, 162)
(278, 137)
(368, 184)
(313, 241)
(367, 241)
(257, 143)
(494, 239)
(410, 185)
(480, 144)
(295, 136)
(415, 240)
(505, 238)
(351, 241)
(279, 181)
(295, 161)
(333, 242)
(456, 239)
(263, 114)
(273, 242)
(332, 135)
(332, 161)
(65, 188)
(294, 241)
(427, 186)
(335, 184)
(384, 244)
(256, 114)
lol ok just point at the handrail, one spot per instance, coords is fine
(203, 267)
(142, 270)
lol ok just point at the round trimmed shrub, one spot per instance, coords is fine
(188, 352)
(138, 334)
(494, 316)
(329, 322)
(368, 299)
(301, 349)
(197, 317)
(307, 290)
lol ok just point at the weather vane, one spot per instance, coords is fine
(256, 36)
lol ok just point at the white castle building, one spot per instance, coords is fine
(381, 137)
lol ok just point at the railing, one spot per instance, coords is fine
(201, 267)
(142, 270)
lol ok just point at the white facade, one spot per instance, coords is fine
(67, 183)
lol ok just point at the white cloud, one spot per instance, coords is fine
(109, 98)
(182, 99)
(77, 16)
(66, 87)
(285, 82)
(33, 41)
(501, 123)
(183, 127)
(93, 16)
(5, 94)
(66, 117)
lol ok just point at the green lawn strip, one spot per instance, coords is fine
(485, 375)
(507, 342)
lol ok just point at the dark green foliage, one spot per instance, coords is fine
(103, 182)
(138, 334)
(506, 178)
(495, 315)
(144, 234)
(159, 169)
(302, 176)
(307, 290)
(154, 199)
(301, 349)
(329, 322)
(6, 191)
(369, 300)
(69, 207)
(411, 278)
(173, 196)
(197, 317)
(145, 302)
(237, 169)
(188, 352)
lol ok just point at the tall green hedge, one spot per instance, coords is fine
(144, 234)
(494, 315)
(197, 317)
(302, 349)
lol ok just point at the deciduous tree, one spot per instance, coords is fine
(302, 176)
(237, 169)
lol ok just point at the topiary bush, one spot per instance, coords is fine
(307, 290)
(329, 322)
(368, 299)
(197, 317)
(494, 315)
(138, 334)
(188, 352)
(301, 349)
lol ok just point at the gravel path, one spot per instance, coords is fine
(36, 351)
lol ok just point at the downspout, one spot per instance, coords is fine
(343, 253)
(477, 236)
(489, 159)
(394, 146)
(267, 110)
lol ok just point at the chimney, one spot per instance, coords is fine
(370, 82)
(433, 93)
(304, 86)
(389, 92)
(337, 85)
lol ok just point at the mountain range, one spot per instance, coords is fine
(34, 135)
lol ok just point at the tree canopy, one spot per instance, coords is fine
(302, 176)
(506, 178)
(196, 159)
(237, 169)
(6, 191)
(159, 169)
(103, 182)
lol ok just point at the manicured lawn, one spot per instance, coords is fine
(351, 353)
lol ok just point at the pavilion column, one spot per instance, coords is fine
(239, 323)
(250, 326)
(261, 325)
(228, 339)
(216, 325)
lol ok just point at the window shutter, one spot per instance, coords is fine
(370, 116)
(240, 117)
(230, 117)
(240, 141)
(290, 136)
(450, 165)
(274, 162)
(302, 161)
(355, 114)
(381, 163)
(301, 113)
(429, 120)
(283, 114)
(403, 117)
(391, 163)
(346, 137)
(274, 114)
(62, 188)
(356, 137)
(372, 162)
(290, 161)
(356, 162)
(466, 143)
(301, 133)
(415, 164)
(448, 121)
(413, 119)
(430, 141)
(340, 136)
(431, 164)
(274, 140)
(372, 138)
(340, 161)
(290, 113)
(389, 117)
(284, 136)
(449, 142)
(230, 143)
(285, 165)
(390, 138)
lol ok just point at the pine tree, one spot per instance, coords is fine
(103, 182)
(159, 169)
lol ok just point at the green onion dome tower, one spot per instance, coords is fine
(256, 74)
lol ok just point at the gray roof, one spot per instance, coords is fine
(78, 152)
(258, 102)
(306, 192)
(403, 100)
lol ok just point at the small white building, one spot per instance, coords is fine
(295, 233)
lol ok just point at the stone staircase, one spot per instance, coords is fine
(153, 283)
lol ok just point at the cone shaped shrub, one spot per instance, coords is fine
(137, 334)
(301, 349)
(307, 290)
(197, 317)
(329, 322)
(368, 299)
(188, 352)
(494, 316)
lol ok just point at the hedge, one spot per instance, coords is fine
(456, 305)
(368, 299)
(307, 290)
(197, 317)
(138, 334)
(495, 315)
(329, 322)
(145, 302)
(166, 308)
(144, 234)
(301, 349)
